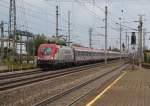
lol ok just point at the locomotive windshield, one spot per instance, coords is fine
(46, 51)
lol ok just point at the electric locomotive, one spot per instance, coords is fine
(61, 55)
(53, 54)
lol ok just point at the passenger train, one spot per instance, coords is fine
(56, 55)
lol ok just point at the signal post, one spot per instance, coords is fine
(133, 43)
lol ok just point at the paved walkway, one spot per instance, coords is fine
(133, 89)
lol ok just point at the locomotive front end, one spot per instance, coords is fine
(46, 55)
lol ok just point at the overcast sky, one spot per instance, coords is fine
(38, 16)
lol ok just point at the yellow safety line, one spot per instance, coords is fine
(105, 90)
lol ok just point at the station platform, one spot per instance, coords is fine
(131, 88)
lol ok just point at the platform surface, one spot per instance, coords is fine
(133, 89)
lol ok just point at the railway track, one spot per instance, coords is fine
(66, 92)
(20, 79)
(8, 75)
(146, 65)
(4, 76)
(19, 74)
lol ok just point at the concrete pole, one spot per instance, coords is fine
(140, 27)
(2, 41)
(106, 16)
(33, 54)
(144, 41)
(12, 26)
(69, 24)
(141, 39)
(27, 48)
(126, 41)
(90, 37)
(57, 14)
(120, 40)
(20, 48)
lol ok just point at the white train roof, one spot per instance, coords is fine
(95, 50)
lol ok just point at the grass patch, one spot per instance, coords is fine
(17, 66)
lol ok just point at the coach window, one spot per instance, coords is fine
(86, 53)
(83, 53)
(77, 53)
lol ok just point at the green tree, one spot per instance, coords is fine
(34, 44)
(7, 53)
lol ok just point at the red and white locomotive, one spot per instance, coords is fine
(53, 54)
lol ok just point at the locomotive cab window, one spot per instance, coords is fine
(46, 51)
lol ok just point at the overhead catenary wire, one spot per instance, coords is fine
(39, 18)
(114, 22)
(78, 27)
(112, 16)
